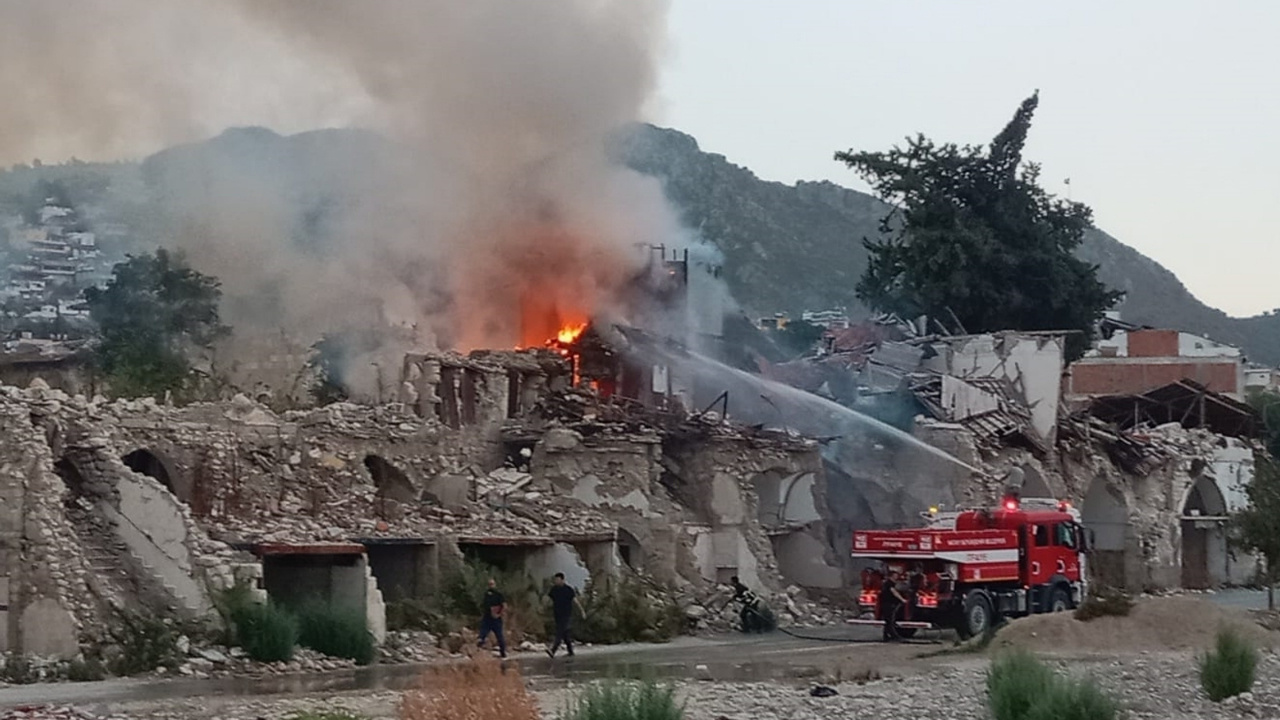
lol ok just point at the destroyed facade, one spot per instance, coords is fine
(135, 505)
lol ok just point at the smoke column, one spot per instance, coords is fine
(491, 217)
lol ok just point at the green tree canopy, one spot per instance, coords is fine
(973, 237)
(1257, 527)
(1267, 403)
(153, 313)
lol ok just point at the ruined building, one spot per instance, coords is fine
(134, 504)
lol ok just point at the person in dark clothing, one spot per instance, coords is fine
(749, 615)
(563, 598)
(491, 621)
(891, 601)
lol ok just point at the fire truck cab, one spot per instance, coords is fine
(966, 570)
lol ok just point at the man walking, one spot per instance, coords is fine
(491, 621)
(563, 598)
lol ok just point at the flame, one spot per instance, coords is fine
(569, 333)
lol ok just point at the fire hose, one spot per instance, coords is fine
(816, 638)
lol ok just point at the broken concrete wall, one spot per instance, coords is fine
(718, 479)
(1033, 365)
(45, 603)
(619, 477)
(544, 562)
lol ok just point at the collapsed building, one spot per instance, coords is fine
(1155, 474)
(111, 506)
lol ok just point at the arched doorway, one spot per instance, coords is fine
(1204, 543)
(629, 550)
(1105, 514)
(390, 480)
(148, 463)
(71, 476)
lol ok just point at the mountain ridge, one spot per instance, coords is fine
(786, 248)
(708, 188)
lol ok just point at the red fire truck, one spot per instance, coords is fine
(965, 570)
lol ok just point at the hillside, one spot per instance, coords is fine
(799, 247)
(786, 248)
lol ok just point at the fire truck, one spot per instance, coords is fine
(968, 569)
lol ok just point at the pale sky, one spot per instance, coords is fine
(1165, 114)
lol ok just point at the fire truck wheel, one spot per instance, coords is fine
(1059, 600)
(978, 615)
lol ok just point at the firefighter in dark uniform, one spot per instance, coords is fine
(749, 614)
(891, 602)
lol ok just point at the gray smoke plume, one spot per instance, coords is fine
(490, 217)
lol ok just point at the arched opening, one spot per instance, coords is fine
(72, 477)
(1105, 514)
(629, 550)
(391, 482)
(768, 487)
(144, 461)
(1205, 557)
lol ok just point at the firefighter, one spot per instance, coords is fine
(749, 614)
(891, 602)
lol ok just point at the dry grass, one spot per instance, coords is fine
(480, 688)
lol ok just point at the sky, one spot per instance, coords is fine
(1164, 114)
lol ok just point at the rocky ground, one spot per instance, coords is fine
(1146, 660)
(1150, 686)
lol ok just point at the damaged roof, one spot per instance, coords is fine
(1185, 402)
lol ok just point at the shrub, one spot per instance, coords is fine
(413, 614)
(267, 632)
(464, 587)
(1015, 682)
(1103, 603)
(86, 670)
(229, 604)
(145, 643)
(1230, 668)
(625, 701)
(1021, 687)
(480, 689)
(1074, 700)
(18, 670)
(337, 632)
(626, 609)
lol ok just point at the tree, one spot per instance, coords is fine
(1257, 527)
(152, 314)
(973, 238)
(1267, 403)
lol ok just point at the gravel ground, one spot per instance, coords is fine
(1155, 686)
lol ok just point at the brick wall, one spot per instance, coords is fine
(1153, 343)
(1125, 377)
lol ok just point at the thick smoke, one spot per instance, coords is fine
(484, 213)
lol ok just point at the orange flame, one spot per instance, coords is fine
(569, 333)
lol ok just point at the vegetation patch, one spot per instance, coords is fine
(1021, 687)
(1106, 602)
(479, 689)
(267, 632)
(1230, 668)
(625, 701)
(337, 632)
(144, 643)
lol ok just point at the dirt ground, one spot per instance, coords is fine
(1146, 658)
(1154, 624)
